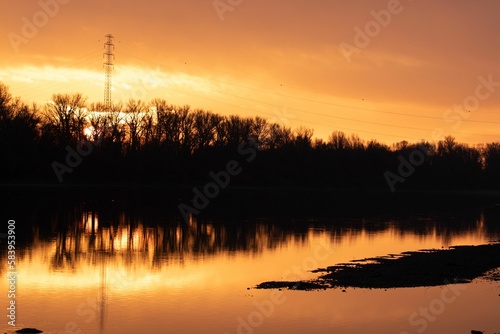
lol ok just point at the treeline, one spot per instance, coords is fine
(158, 142)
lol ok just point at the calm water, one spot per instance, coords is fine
(109, 268)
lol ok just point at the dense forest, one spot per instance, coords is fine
(159, 143)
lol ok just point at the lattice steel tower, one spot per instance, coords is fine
(109, 56)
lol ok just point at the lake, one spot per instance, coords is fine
(112, 266)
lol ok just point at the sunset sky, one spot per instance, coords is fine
(387, 70)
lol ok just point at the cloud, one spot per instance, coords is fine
(429, 55)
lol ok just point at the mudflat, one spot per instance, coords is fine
(432, 267)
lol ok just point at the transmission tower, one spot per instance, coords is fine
(109, 56)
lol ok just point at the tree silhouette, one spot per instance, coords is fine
(491, 155)
(19, 136)
(136, 120)
(158, 142)
(65, 117)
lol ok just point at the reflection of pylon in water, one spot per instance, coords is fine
(97, 245)
(102, 295)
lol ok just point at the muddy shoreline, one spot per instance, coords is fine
(434, 267)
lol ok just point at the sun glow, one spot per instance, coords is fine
(129, 82)
(291, 107)
(89, 131)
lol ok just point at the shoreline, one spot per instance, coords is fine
(155, 188)
(233, 200)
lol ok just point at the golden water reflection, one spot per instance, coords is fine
(123, 258)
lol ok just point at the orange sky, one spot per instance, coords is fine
(285, 61)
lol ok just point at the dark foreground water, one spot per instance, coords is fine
(122, 267)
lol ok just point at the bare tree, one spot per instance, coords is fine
(185, 119)
(135, 116)
(260, 131)
(303, 137)
(66, 116)
(19, 134)
(204, 129)
(238, 130)
(356, 143)
(338, 141)
(115, 127)
(220, 139)
(279, 136)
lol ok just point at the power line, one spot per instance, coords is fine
(333, 104)
(110, 54)
(322, 114)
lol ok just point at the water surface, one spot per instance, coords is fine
(115, 268)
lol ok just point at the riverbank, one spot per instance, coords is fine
(126, 190)
(277, 201)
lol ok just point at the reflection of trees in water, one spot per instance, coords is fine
(98, 233)
(444, 227)
(95, 234)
